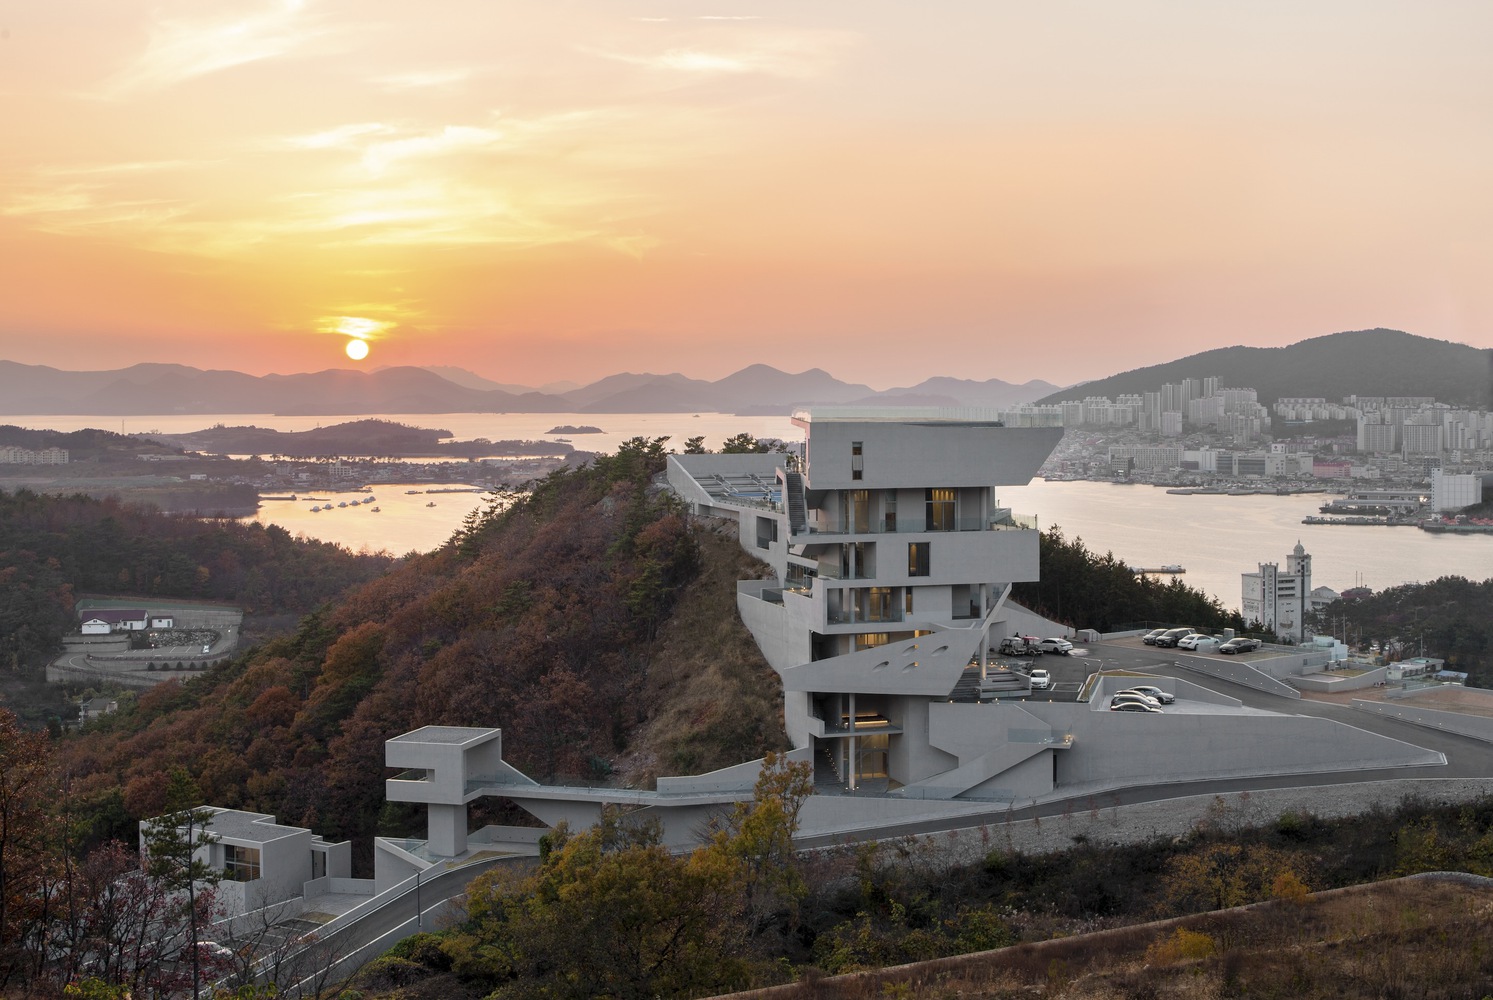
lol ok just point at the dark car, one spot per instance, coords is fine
(1240, 645)
(1134, 706)
(1172, 636)
(1150, 637)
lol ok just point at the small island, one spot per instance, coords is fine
(571, 429)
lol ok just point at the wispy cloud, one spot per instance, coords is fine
(429, 79)
(793, 54)
(180, 50)
(114, 169)
(338, 138)
(379, 156)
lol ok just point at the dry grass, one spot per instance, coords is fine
(712, 699)
(1419, 937)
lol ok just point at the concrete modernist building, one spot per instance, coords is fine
(263, 862)
(893, 560)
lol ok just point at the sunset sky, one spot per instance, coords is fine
(562, 189)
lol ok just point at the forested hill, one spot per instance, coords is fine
(582, 620)
(1362, 362)
(54, 548)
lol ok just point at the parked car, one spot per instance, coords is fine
(1151, 691)
(1197, 642)
(1060, 646)
(1015, 645)
(1150, 637)
(1121, 699)
(1041, 679)
(1171, 637)
(1135, 706)
(1240, 645)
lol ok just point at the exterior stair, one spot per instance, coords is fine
(793, 496)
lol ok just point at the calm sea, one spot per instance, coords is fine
(1215, 537)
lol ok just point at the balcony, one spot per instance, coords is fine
(1000, 519)
(851, 618)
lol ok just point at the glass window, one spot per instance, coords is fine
(917, 558)
(855, 460)
(240, 864)
(941, 503)
(860, 510)
(878, 604)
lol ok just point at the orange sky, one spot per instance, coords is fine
(541, 190)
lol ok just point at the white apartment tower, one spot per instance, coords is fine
(1280, 599)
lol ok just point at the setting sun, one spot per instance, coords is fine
(357, 349)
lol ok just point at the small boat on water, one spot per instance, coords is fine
(410, 493)
(315, 509)
(342, 503)
(377, 509)
(430, 504)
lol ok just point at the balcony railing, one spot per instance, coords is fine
(997, 520)
(415, 774)
(851, 618)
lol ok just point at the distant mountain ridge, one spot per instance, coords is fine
(1375, 362)
(1366, 362)
(150, 389)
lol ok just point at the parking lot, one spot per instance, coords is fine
(1069, 672)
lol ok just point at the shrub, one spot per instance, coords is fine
(1182, 946)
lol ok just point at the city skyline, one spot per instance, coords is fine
(559, 192)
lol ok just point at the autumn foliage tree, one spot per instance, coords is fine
(611, 912)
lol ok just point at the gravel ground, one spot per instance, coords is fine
(1107, 824)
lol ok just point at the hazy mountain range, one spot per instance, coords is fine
(1366, 362)
(146, 389)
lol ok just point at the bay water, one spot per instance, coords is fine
(1215, 537)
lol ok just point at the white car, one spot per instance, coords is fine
(1134, 706)
(1151, 691)
(1197, 643)
(1134, 696)
(1060, 646)
(1041, 679)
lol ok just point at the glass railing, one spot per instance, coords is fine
(416, 774)
(999, 520)
(851, 618)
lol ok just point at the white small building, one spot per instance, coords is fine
(263, 862)
(104, 621)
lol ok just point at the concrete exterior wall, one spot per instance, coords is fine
(926, 665)
(1030, 779)
(1476, 727)
(896, 454)
(911, 756)
(449, 755)
(1120, 748)
(1336, 682)
(738, 777)
(1020, 621)
(1238, 672)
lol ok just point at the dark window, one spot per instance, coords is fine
(917, 558)
(941, 504)
(856, 458)
(767, 531)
